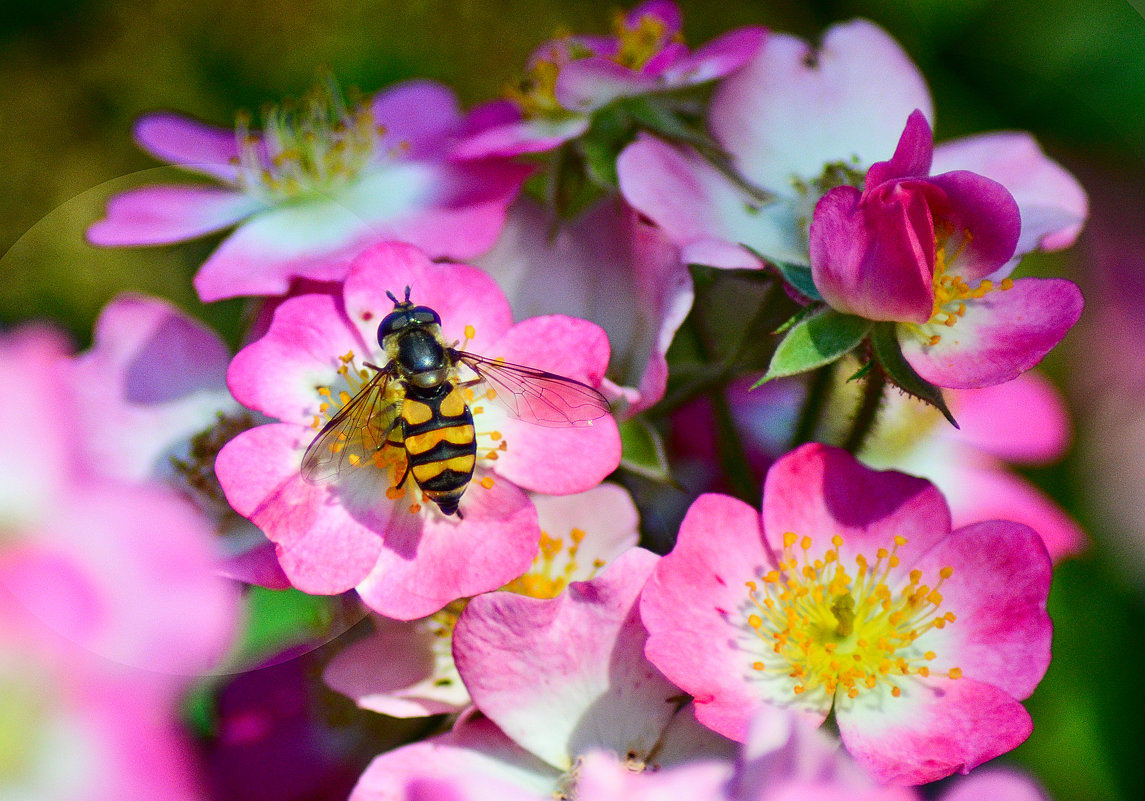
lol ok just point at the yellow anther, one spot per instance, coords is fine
(487, 482)
(470, 332)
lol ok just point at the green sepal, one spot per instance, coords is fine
(797, 318)
(643, 450)
(815, 342)
(799, 276)
(888, 352)
(862, 371)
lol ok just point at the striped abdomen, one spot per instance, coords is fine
(437, 428)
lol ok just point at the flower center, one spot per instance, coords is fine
(553, 567)
(950, 290)
(311, 148)
(377, 435)
(833, 631)
(639, 43)
(197, 471)
(809, 192)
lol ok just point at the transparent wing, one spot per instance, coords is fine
(352, 436)
(536, 396)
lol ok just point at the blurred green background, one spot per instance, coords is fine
(74, 74)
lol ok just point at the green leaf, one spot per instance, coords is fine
(816, 341)
(643, 450)
(799, 276)
(885, 345)
(797, 318)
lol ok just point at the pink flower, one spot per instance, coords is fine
(917, 250)
(406, 668)
(573, 77)
(122, 570)
(153, 406)
(606, 266)
(855, 595)
(315, 189)
(405, 558)
(798, 120)
(556, 679)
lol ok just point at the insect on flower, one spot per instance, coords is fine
(417, 403)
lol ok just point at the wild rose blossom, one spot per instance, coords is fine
(854, 595)
(917, 250)
(122, 570)
(556, 679)
(406, 668)
(405, 558)
(799, 120)
(315, 188)
(606, 266)
(153, 406)
(572, 77)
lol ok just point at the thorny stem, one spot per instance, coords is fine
(868, 411)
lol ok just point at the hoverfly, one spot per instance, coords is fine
(415, 402)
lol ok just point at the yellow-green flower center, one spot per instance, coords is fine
(310, 148)
(831, 630)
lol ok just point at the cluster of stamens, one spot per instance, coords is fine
(951, 291)
(535, 93)
(313, 147)
(833, 631)
(544, 579)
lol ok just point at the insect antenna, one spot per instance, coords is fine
(397, 302)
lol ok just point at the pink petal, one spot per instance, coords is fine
(912, 155)
(937, 727)
(159, 215)
(600, 267)
(417, 116)
(153, 378)
(588, 84)
(986, 419)
(279, 375)
(665, 11)
(324, 547)
(793, 109)
(190, 144)
(428, 560)
(717, 58)
(998, 592)
(1053, 204)
(603, 777)
(460, 294)
(980, 493)
(393, 672)
(258, 565)
(1002, 335)
(987, 211)
(997, 784)
(819, 491)
(586, 646)
(693, 608)
(701, 211)
(558, 461)
(475, 754)
(518, 137)
(873, 255)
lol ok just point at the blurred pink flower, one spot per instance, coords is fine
(406, 669)
(572, 77)
(123, 570)
(606, 266)
(315, 188)
(917, 250)
(405, 558)
(153, 406)
(942, 632)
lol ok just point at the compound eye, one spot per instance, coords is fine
(425, 316)
(391, 324)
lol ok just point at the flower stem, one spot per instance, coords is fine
(868, 410)
(818, 392)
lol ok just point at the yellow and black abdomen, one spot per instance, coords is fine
(437, 429)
